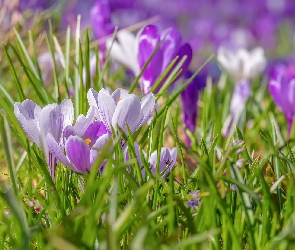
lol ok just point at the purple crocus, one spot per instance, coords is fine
(167, 161)
(172, 46)
(82, 144)
(194, 202)
(189, 99)
(239, 98)
(39, 123)
(282, 90)
(121, 108)
(100, 17)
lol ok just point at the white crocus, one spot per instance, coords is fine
(124, 50)
(242, 64)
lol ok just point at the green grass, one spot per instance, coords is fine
(119, 210)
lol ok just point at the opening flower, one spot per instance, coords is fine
(148, 39)
(121, 108)
(167, 161)
(282, 90)
(38, 123)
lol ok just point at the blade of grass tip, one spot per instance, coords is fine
(277, 168)
(180, 152)
(87, 59)
(241, 137)
(97, 73)
(107, 58)
(162, 76)
(33, 47)
(69, 83)
(41, 92)
(82, 92)
(59, 51)
(26, 54)
(159, 147)
(177, 93)
(9, 98)
(11, 66)
(49, 41)
(7, 145)
(136, 80)
(171, 76)
(77, 59)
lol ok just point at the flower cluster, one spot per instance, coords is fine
(77, 146)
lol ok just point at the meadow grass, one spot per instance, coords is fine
(246, 180)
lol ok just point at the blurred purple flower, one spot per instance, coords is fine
(195, 201)
(189, 99)
(40, 123)
(100, 17)
(46, 66)
(240, 96)
(282, 90)
(167, 161)
(121, 108)
(149, 38)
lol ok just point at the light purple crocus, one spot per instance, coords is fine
(172, 46)
(239, 98)
(167, 161)
(282, 90)
(121, 108)
(39, 123)
(189, 99)
(195, 201)
(82, 144)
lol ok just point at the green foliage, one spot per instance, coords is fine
(242, 207)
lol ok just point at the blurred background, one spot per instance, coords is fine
(205, 24)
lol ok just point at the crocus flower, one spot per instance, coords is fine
(121, 108)
(38, 123)
(167, 161)
(82, 144)
(282, 90)
(194, 202)
(189, 99)
(100, 17)
(124, 50)
(240, 96)
(242, 64)
(149, 38)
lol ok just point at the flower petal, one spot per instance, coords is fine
(127, 111)
(101, 141)
(67, 111)
(83, 122)
(119, 94)
(94, 131)
(147, 106)
(105, 104)
(148, 40)
(26, 114)
(57, 151)
(78, 153)
(170, 45)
